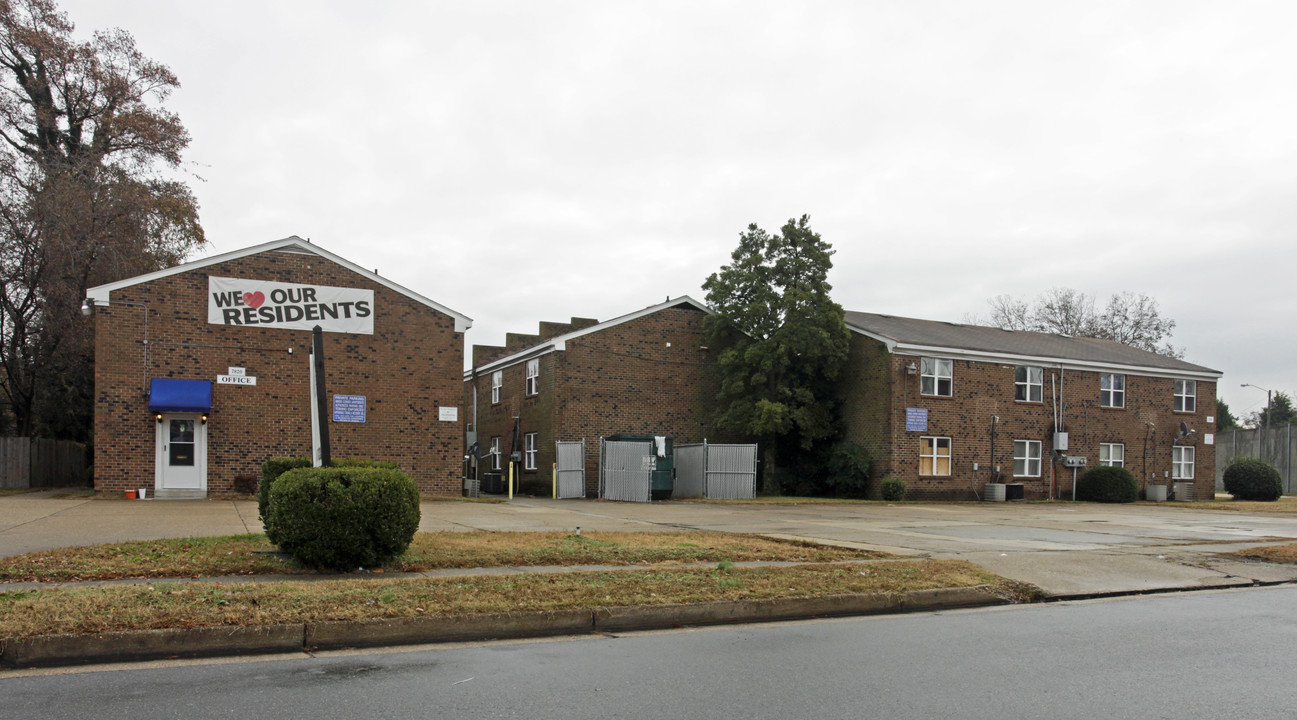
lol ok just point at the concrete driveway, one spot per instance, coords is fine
(1067, 549)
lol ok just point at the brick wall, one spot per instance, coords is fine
(640, 376)
(407, 369)
(877, 383)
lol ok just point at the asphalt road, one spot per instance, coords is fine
(1215, 654)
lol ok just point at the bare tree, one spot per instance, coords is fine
(83, 142)
(1128, 318)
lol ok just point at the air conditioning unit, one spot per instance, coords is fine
(1060, 441)
(1183, 491)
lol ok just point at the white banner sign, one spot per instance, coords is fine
(232, 301)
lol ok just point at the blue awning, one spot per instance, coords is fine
(172, 395)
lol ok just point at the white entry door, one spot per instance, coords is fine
(181, 452)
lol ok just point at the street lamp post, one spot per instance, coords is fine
(1265, 419)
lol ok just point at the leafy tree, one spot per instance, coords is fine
(1225, 419)
(1280, 412)
(779, 339)
(82, 201)
(1129, 318)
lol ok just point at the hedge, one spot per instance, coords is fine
(1253, 480)
(273, 467)
(1108, 485)
(343, 518)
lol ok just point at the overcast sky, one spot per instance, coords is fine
(528, 161)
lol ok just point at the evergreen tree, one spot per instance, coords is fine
(779, 340)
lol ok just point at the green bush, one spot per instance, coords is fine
(893, 489)
(344, 517)
(273, 467)
(848, 469)
(1253, 480)
(1108, 485)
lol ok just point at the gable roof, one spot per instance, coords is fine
(293, 244)
(559, 342)
(910, 336)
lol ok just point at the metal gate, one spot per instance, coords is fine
(719, 472)
(569, 469)
(691, 471)
(625, 471)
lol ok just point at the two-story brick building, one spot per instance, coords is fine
(585, 379)
(949, 407)
(202, 371)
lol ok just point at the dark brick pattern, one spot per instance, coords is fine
(640, 376)
(876, 390)
(407, 369)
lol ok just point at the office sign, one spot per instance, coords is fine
(261, 303)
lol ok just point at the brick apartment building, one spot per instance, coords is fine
(942, 406)
(584, 379)
(202, 371)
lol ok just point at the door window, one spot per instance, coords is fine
(180, 448)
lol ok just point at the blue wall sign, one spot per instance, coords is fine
(349, 408)
(916, 419)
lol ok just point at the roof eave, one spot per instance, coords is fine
(101, 293)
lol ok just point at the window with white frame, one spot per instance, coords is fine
(497, 381)
(1112, 454)
(1186, 395)
(529, 451)
(533, 376)
(1029, 384)
(1182, 462)
(1026, 458)
(495, 453)
(936, 377)
(1112, 390)
(934, 456)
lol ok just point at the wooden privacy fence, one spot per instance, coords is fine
(1275, 445)
(39, 462)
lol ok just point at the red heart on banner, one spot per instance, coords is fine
(256, 299)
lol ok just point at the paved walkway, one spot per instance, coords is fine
(1066, 549)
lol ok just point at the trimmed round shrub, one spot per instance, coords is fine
(342, 518)
(273, 467)
(893, 489)
(1108, 485)
(1253, 480)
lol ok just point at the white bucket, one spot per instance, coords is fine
(141, 494)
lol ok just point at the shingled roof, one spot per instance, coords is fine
(913, 336)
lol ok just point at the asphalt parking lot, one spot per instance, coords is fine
(1067, 549)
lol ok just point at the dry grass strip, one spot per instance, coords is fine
(176, 605)
(1272, 553)
(1284, 505)
(251, 554)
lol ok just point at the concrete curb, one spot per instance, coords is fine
(418, 630)
(133, 645)
(53, 650)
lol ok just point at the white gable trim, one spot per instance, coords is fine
(558, 343)
(100, 294)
